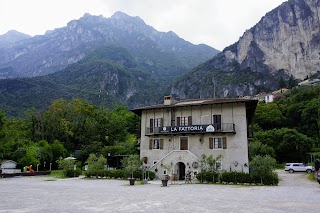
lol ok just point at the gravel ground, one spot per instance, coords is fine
(295, 193)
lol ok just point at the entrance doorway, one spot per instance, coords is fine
(182, 171)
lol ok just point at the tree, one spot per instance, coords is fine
(289, 145)
(263, 166)
(95, 164)
(292, 82)
(282, 83)
(268, 116)
(66, 165)
(258, 148)
(132, 164)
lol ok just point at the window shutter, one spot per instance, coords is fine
(210, 143)
(224, 142)
(161, 122)
(190, 120)
(150, 143)
(161, 143)
(151, 125)
(178, 121)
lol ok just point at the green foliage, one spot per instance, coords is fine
(132, 164)
(291, 126)
(268, 116)
(67, 127)
(208, 163)
(67, 166)
(289, 145)
(237, 178)
(96, 165)
(258, 148)
(262, 166)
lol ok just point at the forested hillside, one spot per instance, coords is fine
(107, 77)
(288, 129)
(65, 128)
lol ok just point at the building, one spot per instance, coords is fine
(174, 135)
(9, 167)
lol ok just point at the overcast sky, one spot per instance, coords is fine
(217, 23)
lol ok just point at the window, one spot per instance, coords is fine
(218, 143)
(184, 121)
(183, 143)
(156, 143)
(217, 121)
(158, 122)
(155, 123)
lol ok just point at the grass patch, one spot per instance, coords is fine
(57, 174)
(312, 177)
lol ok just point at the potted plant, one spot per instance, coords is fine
(132, 164)
(166, 177)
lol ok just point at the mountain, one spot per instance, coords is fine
(11, 37)
(164, 55)
(107, 77)
(284, 43)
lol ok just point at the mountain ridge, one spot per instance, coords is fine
(283, 44)
(53, 51)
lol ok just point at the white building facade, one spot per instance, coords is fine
(175, 135)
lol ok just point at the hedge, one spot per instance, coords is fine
(118, 174)
(237, 177)
(73, 173)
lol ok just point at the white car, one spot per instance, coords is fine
(298, 167)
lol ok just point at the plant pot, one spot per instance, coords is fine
(164, 182)
(132, 180)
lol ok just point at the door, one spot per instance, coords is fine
(182, 171)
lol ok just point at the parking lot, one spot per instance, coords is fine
(295, 193)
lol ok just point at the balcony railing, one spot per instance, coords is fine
(192, 129)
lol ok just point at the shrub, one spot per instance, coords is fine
(73, 173)
(238, 177)
(96, 165)
(209, 177)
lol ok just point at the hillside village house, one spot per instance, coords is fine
(174, 135)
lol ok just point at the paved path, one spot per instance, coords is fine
(295, 193)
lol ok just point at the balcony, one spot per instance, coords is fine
(191, 129)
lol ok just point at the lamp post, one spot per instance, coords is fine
(44, 165)
(50, 166)
(37, 167)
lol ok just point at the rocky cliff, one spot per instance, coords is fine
(285, 42)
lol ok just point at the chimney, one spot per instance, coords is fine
(167, 100)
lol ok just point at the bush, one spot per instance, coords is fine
(238, 177)
(73, 173)
(209, 177)
(96, 165)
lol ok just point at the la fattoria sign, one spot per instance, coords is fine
(192, 128)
